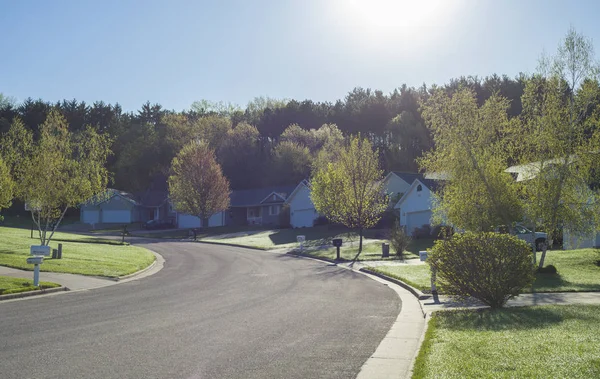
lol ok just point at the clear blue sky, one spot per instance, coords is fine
(176, 52)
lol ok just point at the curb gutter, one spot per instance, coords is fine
(33, 293)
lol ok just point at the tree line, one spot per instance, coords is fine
(270, 142)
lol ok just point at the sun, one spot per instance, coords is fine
(390, 19)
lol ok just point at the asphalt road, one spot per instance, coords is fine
(212, 312)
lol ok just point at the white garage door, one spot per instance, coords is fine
(90, 217)
(187, 221)
(416, 220)
(114, 217)
(303, 218)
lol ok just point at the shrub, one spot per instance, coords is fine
(321, 220)
(550, 269)
(399, 240)
(424, 231)
(442, 232)
(490, 267)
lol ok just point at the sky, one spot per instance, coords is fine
(180, 51)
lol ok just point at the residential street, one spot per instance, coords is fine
(211, 312)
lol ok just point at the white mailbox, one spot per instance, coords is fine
(423, 255)
(35, 260)
(39, 250)
(301, 239)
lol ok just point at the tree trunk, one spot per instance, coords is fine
(543, 257)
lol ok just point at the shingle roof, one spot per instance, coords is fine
(409, 177)
(253, 197)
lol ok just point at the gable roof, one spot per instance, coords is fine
(430, 184)
(303, 183)
(109, 194)
(408, 177)
(154, 198)
(254, 197)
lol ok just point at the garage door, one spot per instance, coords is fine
(187, 221)
(113, 217)
(416, 220)
(90, 217)
(303, 218)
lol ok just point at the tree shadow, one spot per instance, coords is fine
(500, 319)
(550, 282)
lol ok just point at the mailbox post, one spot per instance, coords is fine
(301, 240)
(36, 261)
(37, 258)
(337, 242)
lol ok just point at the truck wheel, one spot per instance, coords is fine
(540, 244)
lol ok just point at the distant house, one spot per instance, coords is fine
(415, 206)
(259, 206)
(396, 184)
(112, 207)
(302, 209)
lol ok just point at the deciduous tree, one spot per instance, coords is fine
(349, 190)
(57, 170)
(197, 185)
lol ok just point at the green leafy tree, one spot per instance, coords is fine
(349, 190)
(56, 171)
(6, 186)
(197, 185)
(470, 151)
(560, 140)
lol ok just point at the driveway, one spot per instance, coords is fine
(211, 312)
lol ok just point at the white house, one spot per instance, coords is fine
(397, 183)
(114, 206)
(415, 206)
(186, 221)
(302, 209)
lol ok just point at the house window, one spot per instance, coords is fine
(419, 188)
(273, 210)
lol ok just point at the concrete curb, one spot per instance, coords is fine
(32, 293)
(232, 244)
(418, 294)
(119, 278)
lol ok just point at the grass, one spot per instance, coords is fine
(81, 254)
(286, 238)
(577, 272)
(15, 285)
(372, 251)
(558, 341)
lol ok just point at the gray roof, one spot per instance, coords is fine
(253, 197)
(409, 177)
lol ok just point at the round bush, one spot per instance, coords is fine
(491, 267)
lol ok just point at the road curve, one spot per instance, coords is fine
(211, 312)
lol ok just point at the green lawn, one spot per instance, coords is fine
(372, 251)
(14, 285)
(556, 341)
(81, 254)
(577, 272)
(286, 238)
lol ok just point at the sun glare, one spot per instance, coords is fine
(390, 19)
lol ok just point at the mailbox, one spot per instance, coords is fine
(423, 255)
(39, 250)
(35, 260)
(300, 239)
(337, 242)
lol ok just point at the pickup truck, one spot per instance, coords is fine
(527, 236)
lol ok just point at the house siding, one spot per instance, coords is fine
(415, 201)
(301, 206)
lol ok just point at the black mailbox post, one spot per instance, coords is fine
(337, 242)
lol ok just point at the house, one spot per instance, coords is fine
(397, 183)
(415, 206)
(302, 209)
(112, 207)
(260, 206)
